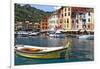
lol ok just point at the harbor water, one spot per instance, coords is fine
(80, 50)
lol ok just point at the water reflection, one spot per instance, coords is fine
(80, 50)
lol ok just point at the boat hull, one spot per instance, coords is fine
(62, 53)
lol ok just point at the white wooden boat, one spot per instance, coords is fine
(86, 37)
(42, 52)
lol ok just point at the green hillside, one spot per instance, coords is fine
(26, 12)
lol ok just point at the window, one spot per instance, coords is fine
(68, 13)
(46, 27)
(45, 23)
(88, 26)
(89, 20)
(89, 14)
(67, 20)
(72, 21)
(65, 9)
(68, 9)
(77, 21)
(62, 15)
(65, 14)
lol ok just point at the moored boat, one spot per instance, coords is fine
(42, 52)
(33, 33)
(59, 35)
(88, 37)
(22, 33)
(56, 34)
(51, 33)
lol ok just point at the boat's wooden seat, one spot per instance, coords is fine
(30, 50)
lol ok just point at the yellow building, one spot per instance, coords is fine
(18, 26)
(37, 26)
(65, 18)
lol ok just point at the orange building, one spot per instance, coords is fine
(44, 24)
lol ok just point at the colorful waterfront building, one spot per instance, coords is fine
(90, 20)
(37, 26)
(18, 26)
(64, 18)
(44, 24)
(60, 18)
(69, 19)
(25, 25)
(53, 21)
(30, 26)
(21, 26)
(82, 18)
(78, 18)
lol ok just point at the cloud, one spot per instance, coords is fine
(57, 7)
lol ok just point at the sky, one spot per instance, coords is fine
(46, 8)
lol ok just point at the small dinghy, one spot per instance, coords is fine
(42, 52)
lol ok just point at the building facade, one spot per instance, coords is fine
(53, 22)
(18, 26)
(82, 18)
(67, 18)
(72, 19)
(64, 18)
(44, 24)
(37, 26)
(90, 21)
(30, 26)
